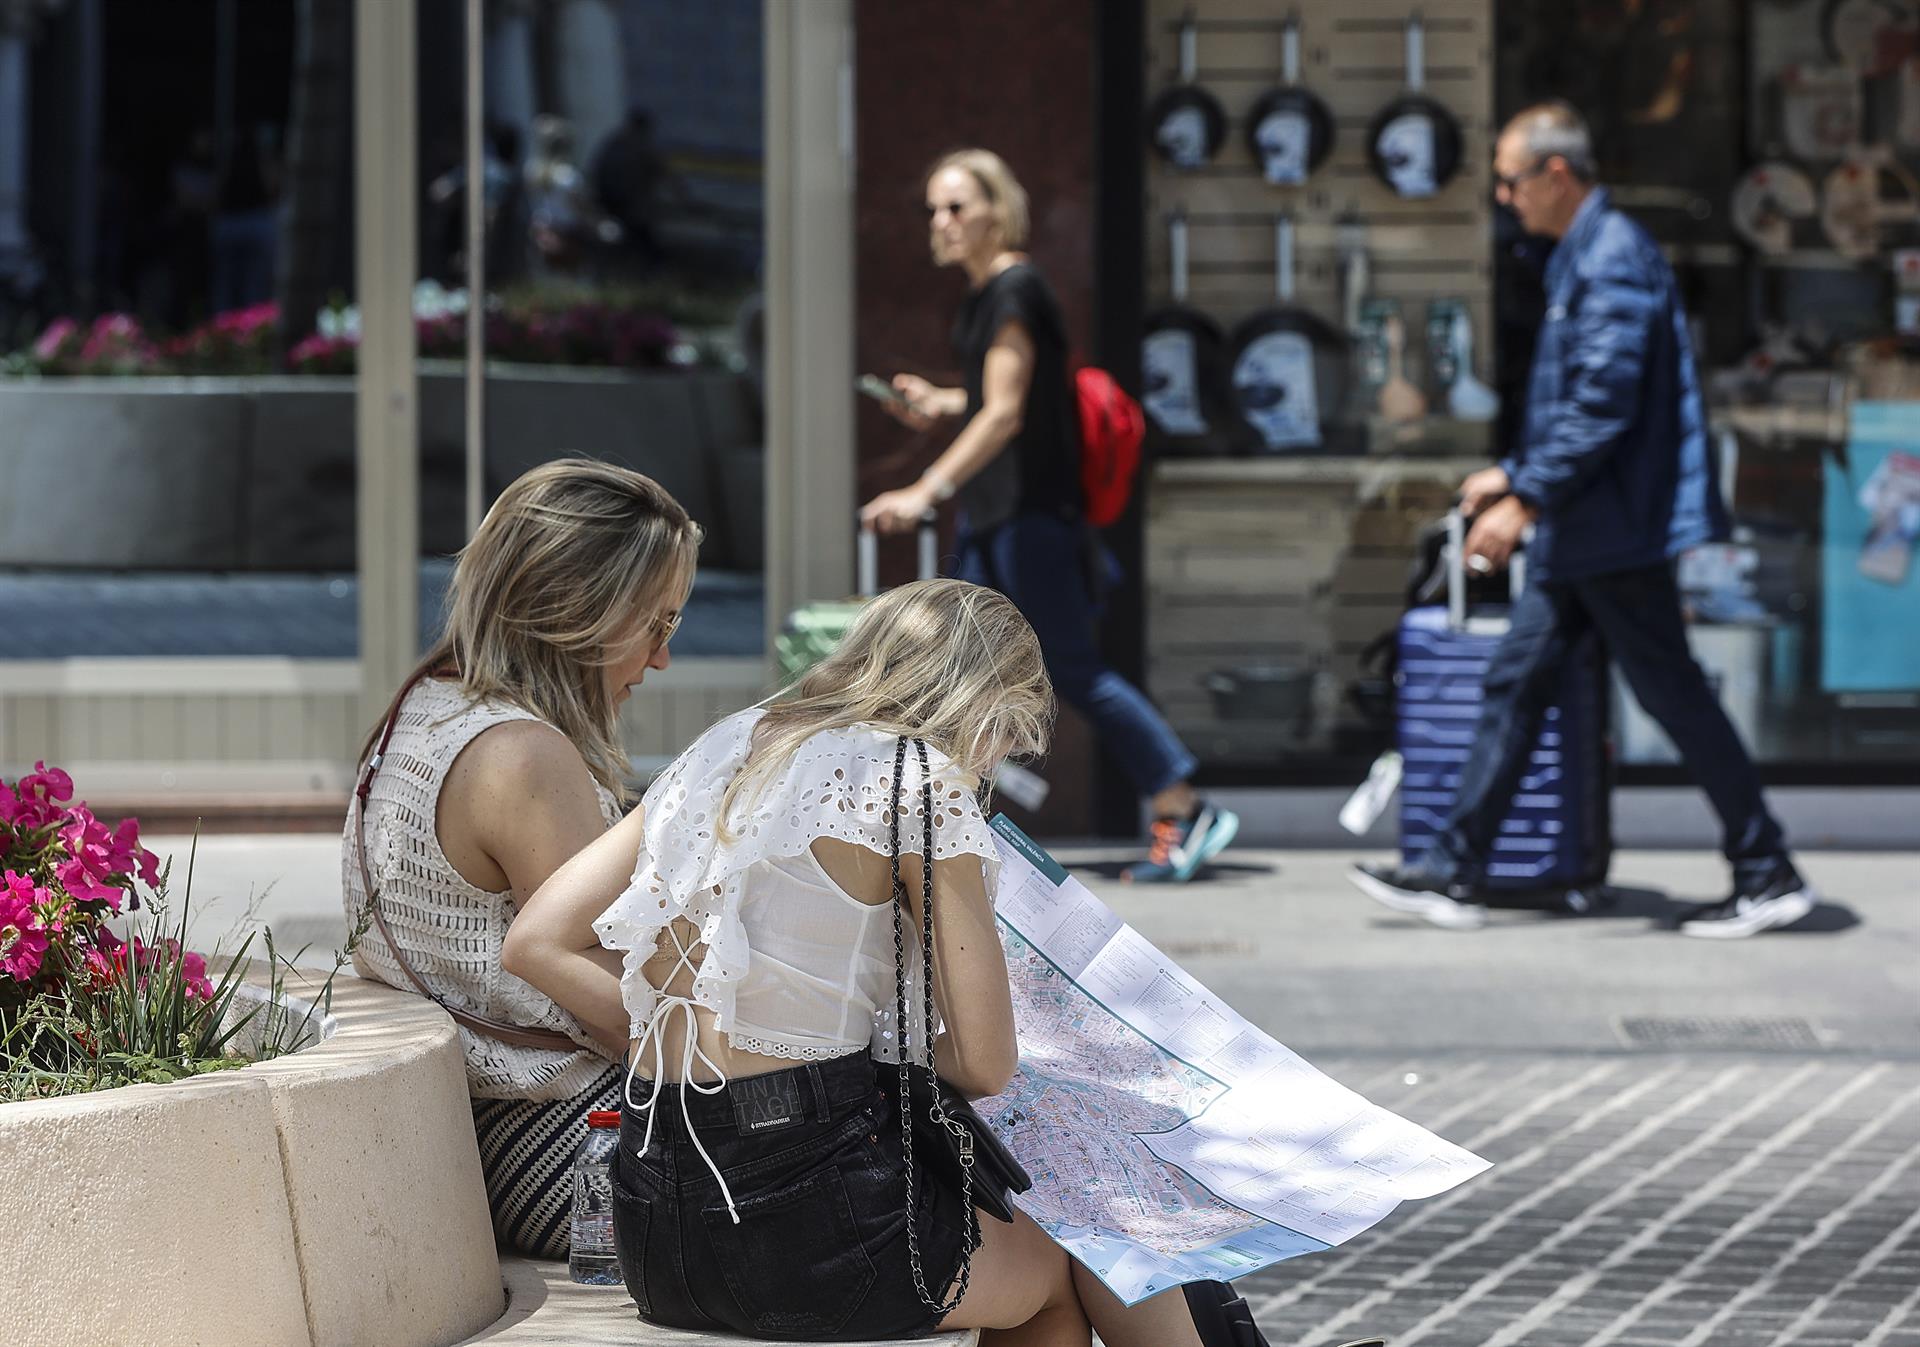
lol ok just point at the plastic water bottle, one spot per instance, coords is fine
(592, 1259)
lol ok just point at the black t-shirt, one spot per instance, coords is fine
(1039, 470)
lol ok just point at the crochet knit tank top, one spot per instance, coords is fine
(450, 930)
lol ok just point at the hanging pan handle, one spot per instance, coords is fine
(1283, 258)
(1177, 253)
(1189, 49)
(1416, 53)
(1290, 50)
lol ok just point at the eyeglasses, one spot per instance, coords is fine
(1504, 182)
(665, 627)
(954, 208)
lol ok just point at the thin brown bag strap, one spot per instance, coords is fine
(515, 1035)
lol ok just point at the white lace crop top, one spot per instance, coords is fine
(793, 966)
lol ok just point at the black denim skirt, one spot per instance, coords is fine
(812, 1158)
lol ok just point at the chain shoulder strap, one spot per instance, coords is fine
(909, 1047)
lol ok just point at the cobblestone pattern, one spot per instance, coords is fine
(1635, 1201)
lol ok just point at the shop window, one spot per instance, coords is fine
(178, 328)
(1772, 150)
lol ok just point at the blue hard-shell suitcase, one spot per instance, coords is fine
(1557, 837)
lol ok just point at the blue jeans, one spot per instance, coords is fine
(1040, 562)
(1637, 616)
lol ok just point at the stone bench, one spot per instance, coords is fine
(547, 1309)
(328, 1198)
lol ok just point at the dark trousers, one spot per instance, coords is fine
(1637, 616)
(1041, 562)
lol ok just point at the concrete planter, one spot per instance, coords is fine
(325, 1199)
(258, 473)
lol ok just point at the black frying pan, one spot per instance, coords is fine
(1414, 143)
(1186, 124)
(1290, 129)
(1180, 361)
(1289, 367)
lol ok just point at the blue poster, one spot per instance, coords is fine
(1871, 623)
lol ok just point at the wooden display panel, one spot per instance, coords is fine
(1289, 562)
(1353, 57)
(1301, 561)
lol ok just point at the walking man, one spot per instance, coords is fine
(1612, 472)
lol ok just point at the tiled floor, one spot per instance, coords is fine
(1637, 1200)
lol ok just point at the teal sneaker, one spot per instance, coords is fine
(1181, 846)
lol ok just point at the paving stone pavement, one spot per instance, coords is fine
(1685, 1201)
(1639, 1197)
(1693, 1198)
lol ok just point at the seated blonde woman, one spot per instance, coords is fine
(738, 931)
(500, 758)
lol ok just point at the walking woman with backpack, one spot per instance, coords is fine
(762, 922)
(1014, 470)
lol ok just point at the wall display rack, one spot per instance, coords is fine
(1273, 561)
(1356, 240)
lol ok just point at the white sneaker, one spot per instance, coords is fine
(1781, 901)
(1419, 894)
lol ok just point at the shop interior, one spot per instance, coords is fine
(1340, 324)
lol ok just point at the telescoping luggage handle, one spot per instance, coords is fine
(1456, 560)
(867, 554)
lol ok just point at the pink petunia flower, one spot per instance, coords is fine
(193, 970)
(193, 967)
(322, 354)
(54, 340)
(125, 855)
(106, 956)
(37, 799)
(89, 870)
(248, 321)
(115, 339)
(23, 941)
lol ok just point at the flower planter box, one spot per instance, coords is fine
(113, 472)
(328, 1198)
(258, 473)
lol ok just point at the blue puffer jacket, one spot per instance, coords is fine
(1615, 452)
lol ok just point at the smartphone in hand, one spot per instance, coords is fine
(881, 391)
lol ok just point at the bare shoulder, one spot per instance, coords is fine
(527, 750)
(513, 772)
(866, 875)
(519, 790)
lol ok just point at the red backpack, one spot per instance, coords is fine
(1111, 428)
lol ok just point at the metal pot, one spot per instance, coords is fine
(1261, 692)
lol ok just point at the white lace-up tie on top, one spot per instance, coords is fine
(690, 1052)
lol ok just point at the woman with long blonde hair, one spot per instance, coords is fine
(1013, 470)
(498, 759)
(762, 1180)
